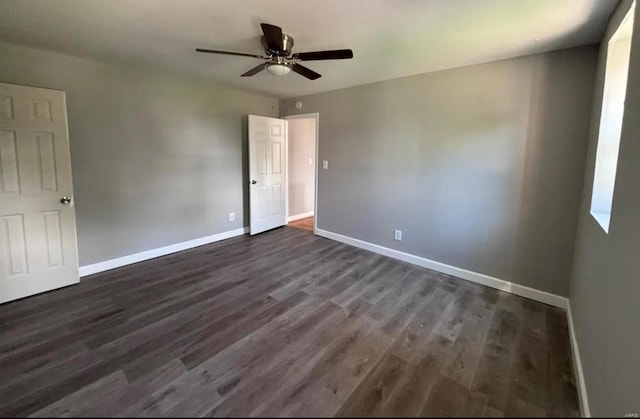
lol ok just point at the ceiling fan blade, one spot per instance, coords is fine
(306, 72)
(272, 36)
(254, 70)
(336, 54)
(241, 54)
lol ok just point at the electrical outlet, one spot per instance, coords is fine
(325, 164)
(310, 160)
(397, 235)
(232, 216)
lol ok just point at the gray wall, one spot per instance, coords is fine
(481, 167)
(302, 176)
(605, 285)
(157, 159)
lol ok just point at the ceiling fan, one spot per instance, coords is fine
(280, 61)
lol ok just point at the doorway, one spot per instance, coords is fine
(302, 150)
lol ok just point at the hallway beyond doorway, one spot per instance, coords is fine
(303, 224)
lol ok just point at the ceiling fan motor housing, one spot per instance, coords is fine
(287, 44)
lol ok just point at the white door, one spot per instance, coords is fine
(267, 173)
(38, 250)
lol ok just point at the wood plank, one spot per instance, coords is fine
(413, 303)
(243, 371)
(529, 380)
(450, 399)
(467, 350)
(360, 286)
(411, 393)
(413, 341)
(282, 324)
(493, 374)
(334, 376)
(563, 396)
(375, 389)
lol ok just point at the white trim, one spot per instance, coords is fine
(161, 251)
(315, 115)
(300, 216)
(521, 290)
(286, 169)
(577, 366)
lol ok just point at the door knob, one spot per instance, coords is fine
(65, 200)
(253, 182)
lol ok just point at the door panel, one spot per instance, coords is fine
(38, 250)
(54, 237)
(41, 110)
(267, 173)
(15, 244)
(276, 158)
(9, 162)
(261, 157)
(46, 161)
(6, 107)
(276, 199)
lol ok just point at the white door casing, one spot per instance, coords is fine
(267, 173)
(38, 249)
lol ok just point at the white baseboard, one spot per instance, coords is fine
(521, 290)
(161, 251)
(300, 216)
(577, 366)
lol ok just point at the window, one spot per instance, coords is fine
(615, 86)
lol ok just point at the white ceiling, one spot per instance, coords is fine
(390, 38)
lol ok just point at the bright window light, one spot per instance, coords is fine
(615, 87)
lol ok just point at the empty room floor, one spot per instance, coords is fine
(284, 323)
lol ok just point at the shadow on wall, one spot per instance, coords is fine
(481, 167)
(476, 141)
(245, 170)
(553, 172)
(453, 145)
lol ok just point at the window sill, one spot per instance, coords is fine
(603, 219)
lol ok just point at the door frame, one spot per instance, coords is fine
(316, 116)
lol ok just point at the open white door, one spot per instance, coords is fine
(267, 173)
(38, 250)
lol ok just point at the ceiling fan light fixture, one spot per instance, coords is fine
(279, 70)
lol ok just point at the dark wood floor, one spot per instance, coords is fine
(303, 224)
(283, 323)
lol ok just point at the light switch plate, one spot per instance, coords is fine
(325, 164)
